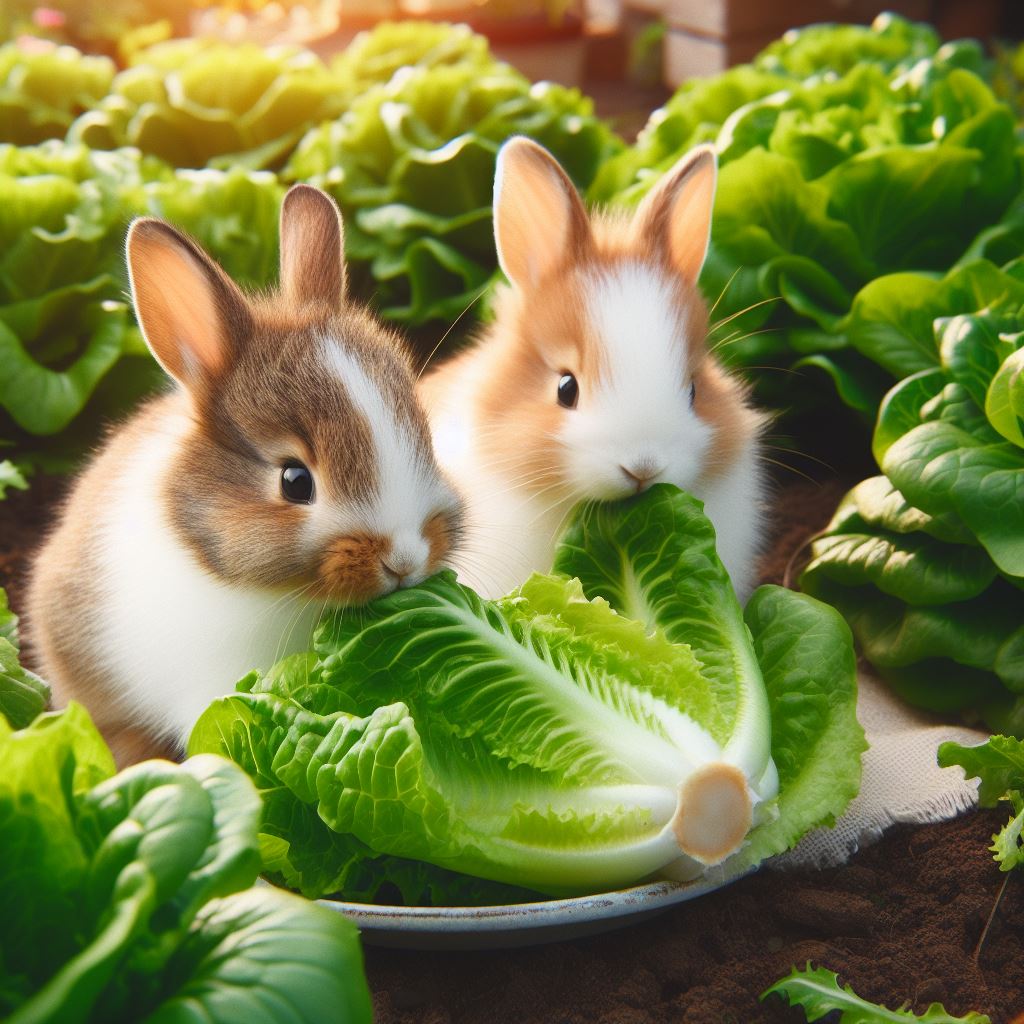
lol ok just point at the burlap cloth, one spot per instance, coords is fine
(901, 784)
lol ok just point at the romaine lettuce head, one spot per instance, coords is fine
(548, 739)
(122, 894)
(23, 695)
(653, 558)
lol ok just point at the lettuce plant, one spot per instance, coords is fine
(897, 160)
(23, 695)
(67, 339)
(546, 740)
(43, 90)
(412, 165)
(926, 561)
(127, 896)
(192, 101)
(999, 765)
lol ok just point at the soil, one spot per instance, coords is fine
(900, 923)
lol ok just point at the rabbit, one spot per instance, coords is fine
(595, 379)
(289, 468)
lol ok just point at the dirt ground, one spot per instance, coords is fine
(899, 923)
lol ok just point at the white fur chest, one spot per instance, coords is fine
(174, 636)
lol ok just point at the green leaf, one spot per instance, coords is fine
(819, 993)
(999, 765)
(876, 502)
(23, 695)
(653, 559)
(270, 957)
(1004, 400)
(943, 469)
(913, 567)
(11, 478)
(984, 633)
(806, 654)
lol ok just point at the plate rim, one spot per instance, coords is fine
(511, 917)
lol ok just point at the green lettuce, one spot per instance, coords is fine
(899, 158)
(653, 558)
(999, 765)
(23, 695)
(818, 993)
(412, 165)
(549, 739)
(926, 561)
(42, 90)
(194, 101)
(150, 865)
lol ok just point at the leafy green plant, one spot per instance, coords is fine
(191, 102)
(151, 867)
(926, 561)
(23, 695)
(999, 764)
(543, 739)
(901, 158)
(818, 992)
(43, 90)
(412, 165)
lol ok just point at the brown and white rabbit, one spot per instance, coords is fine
(291, 467)
(595, 380)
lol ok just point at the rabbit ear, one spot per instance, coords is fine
(192, 315)
(312, 248)
(540, 223)
(676, 214)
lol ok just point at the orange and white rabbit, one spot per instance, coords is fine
(595, 381)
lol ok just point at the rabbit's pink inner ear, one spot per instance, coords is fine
(185, 304)
(312, 248)
(540, 223)
(676, 214)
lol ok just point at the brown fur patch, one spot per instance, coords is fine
(351, 572)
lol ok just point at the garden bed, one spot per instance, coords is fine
(902, 920)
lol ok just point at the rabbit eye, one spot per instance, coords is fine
(568, 391)
(693, 394)
(297, 483)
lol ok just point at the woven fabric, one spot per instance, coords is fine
(902, 783)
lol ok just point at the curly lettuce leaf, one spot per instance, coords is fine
(191, 101)
(43, 89)
(818, 992)
(999, 765)
(412, 165)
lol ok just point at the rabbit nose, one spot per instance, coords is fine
(642, 473)
(403, 564)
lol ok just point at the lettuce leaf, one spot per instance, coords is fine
(999, 765)
(541, 740)
(43, 89)
(148, 866)
(818, 992)
(653, 558)
(190, 101)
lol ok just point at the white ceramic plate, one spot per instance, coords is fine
(521, 924)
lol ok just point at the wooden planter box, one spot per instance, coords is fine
(704, 37)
